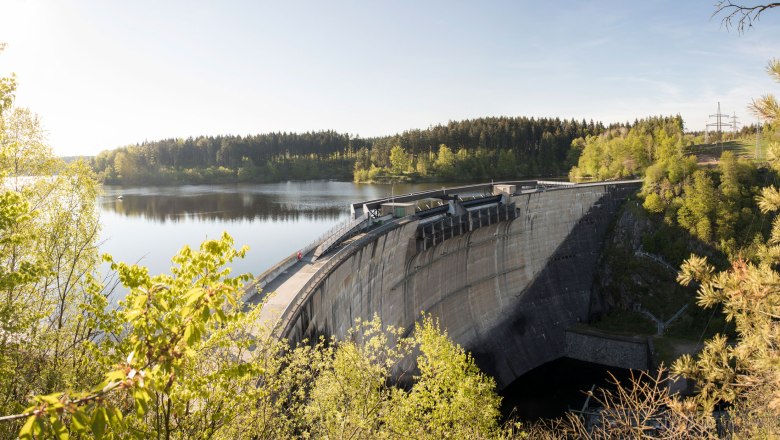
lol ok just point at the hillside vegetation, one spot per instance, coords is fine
(725, 208)
(482, 148)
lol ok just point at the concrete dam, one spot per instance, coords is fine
(507, 269)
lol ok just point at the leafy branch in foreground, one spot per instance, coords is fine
(170, 318)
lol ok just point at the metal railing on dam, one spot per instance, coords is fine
(479, 189)
(318, 246)
(434, 232)
(506, 274)
(340, 234)
(286, 321)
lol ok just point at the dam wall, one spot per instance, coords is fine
(506, 292)
(628, 352)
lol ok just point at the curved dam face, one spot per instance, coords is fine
(507, 292)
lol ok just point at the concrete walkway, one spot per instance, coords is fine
(284, 288)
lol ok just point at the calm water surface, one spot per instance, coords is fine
(149, 224)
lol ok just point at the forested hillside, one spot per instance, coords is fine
(481, 148)
(213, 159)
(476, 149)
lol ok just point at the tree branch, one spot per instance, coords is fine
(741, 16)
(78, 402)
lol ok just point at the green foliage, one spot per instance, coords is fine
(199, 366)
(488, 148)
(248, 170)
(351, 397)
(445, 162)
(664, 184)
(653, 203)
(424, 164)
(627, 151)
(626, 321)
(400, 161)
(717, 206)
(449, 398)
(177, 328)
(746, 372)
(698, 209)
(767, 106)
(538, 146)
(56, 330)
(7, 89)
(362, 160)
(507, 164)
(227, 159)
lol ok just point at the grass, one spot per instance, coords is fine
(627, 322)
(710, 153)
(646, 282)
(700, 324)
(747, 148)
(665, 297)
(667, 349)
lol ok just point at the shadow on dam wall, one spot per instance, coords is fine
(506, 292)
(532, 332)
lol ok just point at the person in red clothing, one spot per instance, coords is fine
(300, 256)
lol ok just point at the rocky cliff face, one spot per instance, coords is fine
(636, 289)
(632, 277)
(630, 228)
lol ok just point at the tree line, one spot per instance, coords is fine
(219, 159)
(518, 146)
(715, 204)
(475, 149)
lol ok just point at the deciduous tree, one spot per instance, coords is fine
(400, 160)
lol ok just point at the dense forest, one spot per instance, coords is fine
(474, 149)
(217, 159)
(483, 148)
(479, 149)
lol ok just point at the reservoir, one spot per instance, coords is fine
(147, 225)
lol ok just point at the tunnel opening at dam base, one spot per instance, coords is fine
(552, 389)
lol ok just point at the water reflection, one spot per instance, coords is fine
(277, 202)
(221, 206)
(285, 202)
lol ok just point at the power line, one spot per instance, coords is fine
(719, 124)
(734, 123)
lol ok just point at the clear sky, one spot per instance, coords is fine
(102, 74)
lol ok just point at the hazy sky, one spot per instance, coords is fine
(103, 74)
